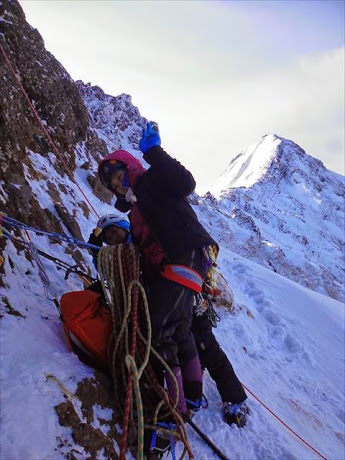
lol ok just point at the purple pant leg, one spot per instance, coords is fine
(181, 405)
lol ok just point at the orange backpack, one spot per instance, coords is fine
(87, 324)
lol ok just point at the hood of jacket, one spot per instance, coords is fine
(134, 167)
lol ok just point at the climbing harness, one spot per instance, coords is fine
(184, 275)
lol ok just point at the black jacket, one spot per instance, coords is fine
(162, 200)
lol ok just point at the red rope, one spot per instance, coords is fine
(55, 149)
(129, 394)
(283, 423)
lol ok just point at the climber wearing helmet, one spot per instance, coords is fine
(115, 229)
(111, 229)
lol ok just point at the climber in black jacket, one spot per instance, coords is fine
(172, 242)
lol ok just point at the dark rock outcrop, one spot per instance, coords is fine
(59, 106)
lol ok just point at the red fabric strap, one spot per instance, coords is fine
(184, 275)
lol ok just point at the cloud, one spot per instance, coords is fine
(303, 102)
(216, 76)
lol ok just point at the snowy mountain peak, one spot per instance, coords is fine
(283, 208)
(272, 157)
(249, 166)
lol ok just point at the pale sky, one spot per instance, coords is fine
(215, 75)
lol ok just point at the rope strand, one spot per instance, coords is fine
(283, 423)
(130, 349)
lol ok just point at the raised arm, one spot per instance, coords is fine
(167, 172)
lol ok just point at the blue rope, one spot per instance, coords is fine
(58, 236)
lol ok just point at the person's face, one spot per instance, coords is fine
(114, 235)
(116, 182)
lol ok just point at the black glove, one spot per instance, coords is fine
(96, 240)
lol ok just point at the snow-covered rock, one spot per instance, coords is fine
(115, 119)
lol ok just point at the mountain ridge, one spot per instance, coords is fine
(262, 160)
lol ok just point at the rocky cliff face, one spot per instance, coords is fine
(115, 119)
(24, 147)
(38, 189)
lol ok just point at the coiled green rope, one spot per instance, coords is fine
(118, 267)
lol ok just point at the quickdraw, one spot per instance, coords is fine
(48, 289)
(203, 304)
(210, 284)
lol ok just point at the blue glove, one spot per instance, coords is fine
(150, 138)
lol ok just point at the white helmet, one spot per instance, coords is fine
(118, 220)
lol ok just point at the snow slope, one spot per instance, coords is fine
(285, 342)
(249, 166)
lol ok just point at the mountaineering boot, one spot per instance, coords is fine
(235, 413)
